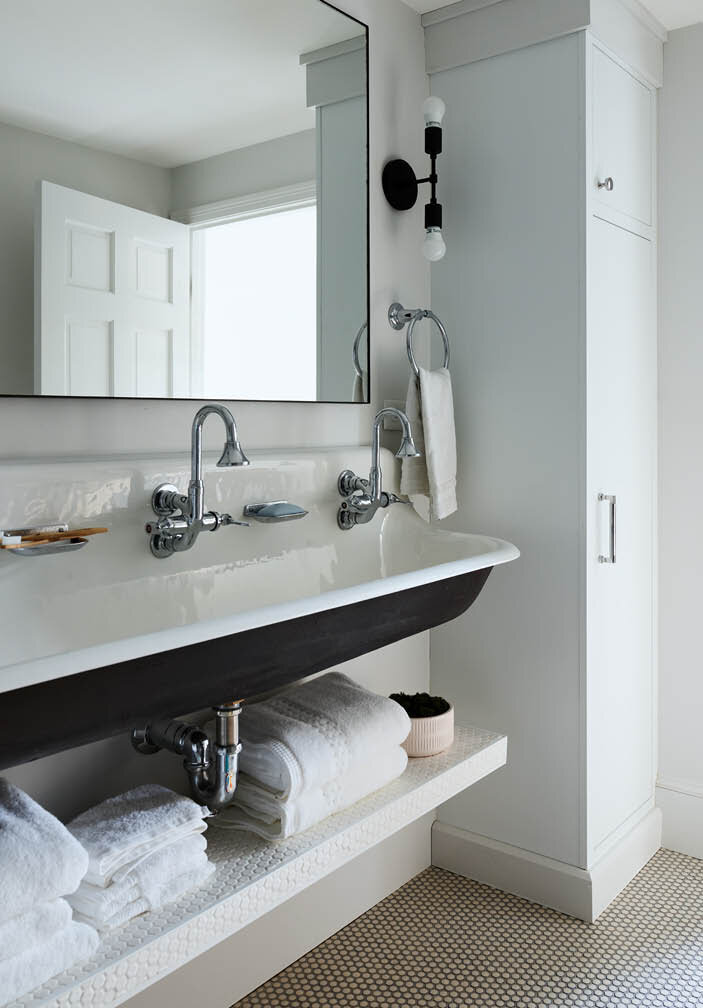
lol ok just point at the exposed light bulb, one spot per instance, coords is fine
(433, 247)
(433, 109)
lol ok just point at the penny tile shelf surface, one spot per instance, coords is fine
(254, 876)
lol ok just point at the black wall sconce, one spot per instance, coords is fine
(400, 184)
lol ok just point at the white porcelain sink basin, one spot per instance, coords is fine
(273, 602)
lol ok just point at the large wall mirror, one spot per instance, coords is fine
(183, 200)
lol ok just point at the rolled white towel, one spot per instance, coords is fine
(39, 859)
(33, 927)
(316, 732)
(260, 811)
(170, 891)
(150, 881)
(121, 831)
(38, 963)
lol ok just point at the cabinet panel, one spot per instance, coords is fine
(623, 135)
(621, 422)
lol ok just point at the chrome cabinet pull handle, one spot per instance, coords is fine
(608, 184)
(611, 501)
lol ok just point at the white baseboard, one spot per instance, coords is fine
(681, 803)
(230, 970)
(575, 891)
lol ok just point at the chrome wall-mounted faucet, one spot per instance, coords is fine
(182, 517)
(363, 497)
(212, 769)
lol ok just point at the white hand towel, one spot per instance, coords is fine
(168, 892)
(361, 387)
(313, 733)
(33, 967)
(149, 880)
(33, 928)
(260, 811)
(430, 410)
(39, 859)
(121, 831)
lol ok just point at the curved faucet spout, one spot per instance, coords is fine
(232, 454)
(407, 448)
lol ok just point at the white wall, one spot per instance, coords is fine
(680, 794)
(26, 157)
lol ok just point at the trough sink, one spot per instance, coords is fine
(109, 635)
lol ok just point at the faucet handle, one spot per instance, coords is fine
(227, 519)
(394, 499)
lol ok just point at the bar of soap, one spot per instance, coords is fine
(8, 540)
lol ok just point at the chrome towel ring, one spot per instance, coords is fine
(399, 317)
(355, 351)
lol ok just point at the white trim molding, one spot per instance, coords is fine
(473, 30)
(258, 204)
(579, 892)
(681, 802)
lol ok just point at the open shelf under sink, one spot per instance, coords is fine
(253, 876)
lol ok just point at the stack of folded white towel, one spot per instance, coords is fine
(311, 751)
(40, 862)
(145, 848)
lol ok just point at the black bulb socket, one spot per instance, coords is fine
(433, 140)
(433, 215)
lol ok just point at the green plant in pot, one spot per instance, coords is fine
(431, 723)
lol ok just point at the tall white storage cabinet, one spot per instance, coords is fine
(548, 290)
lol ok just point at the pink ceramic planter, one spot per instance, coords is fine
(430, 735)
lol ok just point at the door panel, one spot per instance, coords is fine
(113, 307)
(623, 135)
(621, 453)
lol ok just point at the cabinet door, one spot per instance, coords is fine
(621, 424)
(623, 135)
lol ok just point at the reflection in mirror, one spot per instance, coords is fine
(183, 200)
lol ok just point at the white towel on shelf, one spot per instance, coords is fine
(33, 927)
(260, 811)
(121, 831)
(316, 732)
(430, 410)
(39, 859)
(150, 880)
(159, 895)
(38, 963)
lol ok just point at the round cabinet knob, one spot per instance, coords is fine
(608, 184)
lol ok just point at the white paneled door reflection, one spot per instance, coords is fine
(112, 312)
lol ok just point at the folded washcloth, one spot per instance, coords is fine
(316, 732)
(168, 891)
(260, 811)
(151, 880)
(39, 859)
(38, 963)
(33, 927)
(432, 475)
(121, 831)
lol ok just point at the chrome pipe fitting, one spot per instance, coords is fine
(211, 769)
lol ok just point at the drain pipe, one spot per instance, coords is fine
(212, 770)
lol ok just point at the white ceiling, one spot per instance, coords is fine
(671, 13)
(164, 81)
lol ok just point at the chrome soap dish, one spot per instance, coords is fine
(44, 540)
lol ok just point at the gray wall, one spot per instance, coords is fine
(681, 423)
(27, 157)
(270, 165)
(511, 663)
